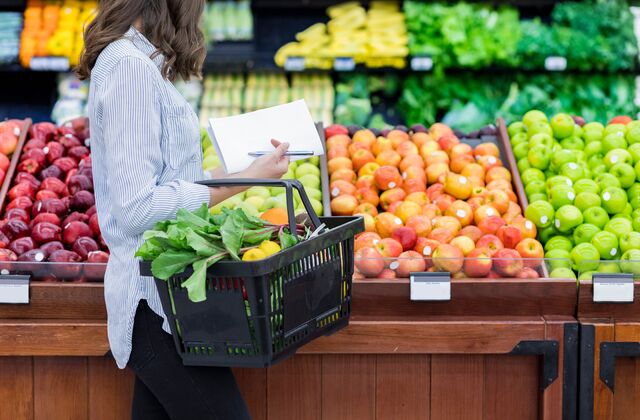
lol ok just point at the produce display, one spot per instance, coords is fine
(199, 240)
(376, 37)
(360, 99)
(583, 186)
(228, 21)
(11, 24)
(430, 202)
(49, 213)
(54, 28)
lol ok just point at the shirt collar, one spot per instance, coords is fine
(143, 44)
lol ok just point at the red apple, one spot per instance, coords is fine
(369, 262)
(532, 252)
(527, 273)
(478, 263)
(409, 262)
(406, 236)
(507, 262)
(491, 243)
(448, 258)
(509, 235)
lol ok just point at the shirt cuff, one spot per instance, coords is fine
(193, 195)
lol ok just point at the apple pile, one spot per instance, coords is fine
(429, 202)
(583, 186)
(50, 212)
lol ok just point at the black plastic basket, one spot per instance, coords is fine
(259, 313)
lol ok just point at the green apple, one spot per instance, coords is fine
(537, 186)
(638, 171)
(249, 208)
(279, 201)
(606, 243)
(592, 136)
(630, 262)
(614, 200)
(617, 156)
(562, 125)
(210, 162)
(614, 141)
(592, 149)
(549, 173)
(310, 180)
(541, 139)
(559, 180)
(317, 206)
(567, 218)
(559, 242)
(634, 151)
(258, 192)
(629, 240)
(595, 160)
(307, 168)
(615, 128)
(577, 130)
(633, 194)
(619, 226)
(521, 151)
(523, 164)
(532, 174)
(633, 124)
(586, 275)
(584, 233)
(586, 185)
(586, 200)
(545, 234)
(606, 181)
(572, 170)
(540, 213)
(608, 267)
(539, 157)
(572, 143)
(515, 128)
(537, 197)
(519, 139)
(593, 126)
(563, 273)
(633, 134)
(585, 257)
(596, 216)
(256, 201)
(557, 258)
(539, 128)
(314, 193)
(562, 157)
(290, 174)
(598, 170)
(275, 191)
(625, 174)
(314, 160)
(532, 116)
(561, 195)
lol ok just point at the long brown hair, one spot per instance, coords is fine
(170, 25)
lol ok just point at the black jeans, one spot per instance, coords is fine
(166, 389)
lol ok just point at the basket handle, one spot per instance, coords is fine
(288, 184)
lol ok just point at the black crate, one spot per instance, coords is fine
(259, 313)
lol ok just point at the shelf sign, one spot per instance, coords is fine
(294, 64)
(344, 64)
(435, 287)
(421, 63)
(14, 289)
(49, 64)
(613, 288)
(555, 63)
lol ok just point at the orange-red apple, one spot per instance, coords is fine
(389, 157)
(366, 181)
(442, 235)
(339, 163)
(368, 169)
(387, 177)
(478, 264)
(387, 273)
(389, 248)
(338, 139)
(369, 262)
(459, 162)
(380, 145)
(342, 187)
(391, 196)
(447, 141)
(509, 235)
(498, 172)
(431, 211)
(397, 137)
(461, 211)
(527, 273)
(532, 251)
(444, 201)
(345, 174)
(491, 243)
(406, 236)
(507, 262)
(361, 157)
(337, 151)
(364, 136)
(412, 160)
(406, 209)
(366, 239)
(498, 199)
(435, 171)
(386, 223)
(483, 212)
(473, 170)
(457, 185)
(491, 224)
(461, 149)
(472, 232)
(447, 222)
(367, 195)
(420, 223)
(487, 149)
(414, 185)
(410, 262)
(448, 258)
(369, 221)
(343, 205)
(527, 227)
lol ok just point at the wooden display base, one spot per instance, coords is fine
(609, 357)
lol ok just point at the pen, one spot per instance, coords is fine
(290, 153)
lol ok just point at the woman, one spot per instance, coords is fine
(146, 154)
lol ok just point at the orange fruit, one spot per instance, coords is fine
(276, 216)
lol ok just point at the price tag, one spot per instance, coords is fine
(14, 289)
(613, 288)
(49, 64)
(421, 63)
(344, 64)
(294, 64)
(555, 63)
(430, 286)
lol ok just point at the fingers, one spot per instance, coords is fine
(275, 143)
(281, 149)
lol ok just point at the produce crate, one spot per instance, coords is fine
(259, 313)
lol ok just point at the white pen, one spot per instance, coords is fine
(290, 153)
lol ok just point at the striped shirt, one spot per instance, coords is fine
(146, 153)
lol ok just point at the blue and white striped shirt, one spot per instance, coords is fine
(146, 153)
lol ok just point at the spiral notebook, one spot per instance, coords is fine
(236, 136)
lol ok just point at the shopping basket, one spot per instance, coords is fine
(259, 313)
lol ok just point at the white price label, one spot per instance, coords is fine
(294, 64)
(344, 64)
(421, 63)
(49, 64)
(613, 288)
(14, 289)
(555, 63)
(430, 286)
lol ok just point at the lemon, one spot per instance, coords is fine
(270, 248)
(254, 254)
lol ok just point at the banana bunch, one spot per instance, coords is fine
(377, 37)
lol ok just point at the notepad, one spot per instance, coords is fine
(236, 136)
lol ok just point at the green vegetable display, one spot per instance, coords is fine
(200, 240)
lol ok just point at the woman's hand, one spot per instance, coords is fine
(271, 166)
